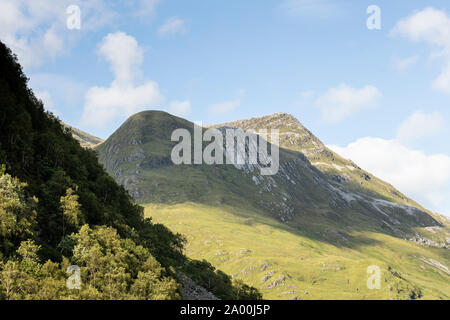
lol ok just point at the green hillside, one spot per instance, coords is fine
(319, 208)
(285, 262)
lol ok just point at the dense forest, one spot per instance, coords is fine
(59, 207)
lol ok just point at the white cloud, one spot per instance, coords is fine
(172, 26)
(147, 7)
(430, 25)
(124, 54)
(37, 30)
(419, 125)
(104, 105)
(423, 177)
(20, 23)
(311, 7)
(442, 82)
(401, 64)
(341, 102)
(433, 27)
(180, 108)
(53, 42)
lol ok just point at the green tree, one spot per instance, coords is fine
(17, 214)
(20, 276)
(245, 292)
(8, 279)
(71, 210)
(117, 268)
(151, 285)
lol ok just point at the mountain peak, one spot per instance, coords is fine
(272, 121)
(293, 135)
(282, 115)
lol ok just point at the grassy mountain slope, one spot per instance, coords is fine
(287, 263)
(317, 198)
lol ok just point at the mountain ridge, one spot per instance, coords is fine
(302, 155)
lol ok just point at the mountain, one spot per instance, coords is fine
(60, 211)
(84, 139)
(313, 227)
(313, 185)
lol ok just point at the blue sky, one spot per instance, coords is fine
(379, 97)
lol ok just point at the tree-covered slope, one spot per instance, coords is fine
(58, 207)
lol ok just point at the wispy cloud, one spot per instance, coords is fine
(419, 125)
(431, 26)
(172, 26)
(338, 103)
(402, 64)
(146, 8)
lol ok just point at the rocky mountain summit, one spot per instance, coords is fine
(293, 135)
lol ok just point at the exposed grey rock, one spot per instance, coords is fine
(276, 283)
(192, 291)
(428, 242)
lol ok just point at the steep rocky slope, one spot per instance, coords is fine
(354, 187)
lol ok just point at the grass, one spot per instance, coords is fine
(251, 247)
